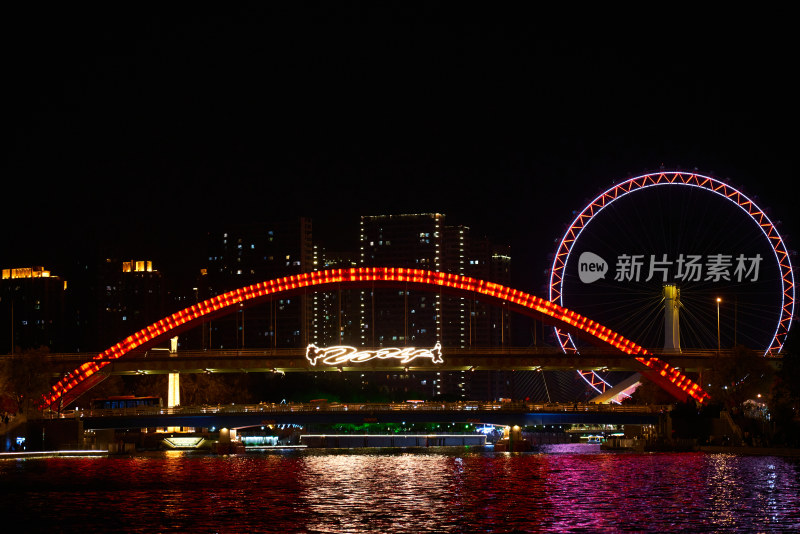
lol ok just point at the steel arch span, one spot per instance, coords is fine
(71, 386)
(675, 178)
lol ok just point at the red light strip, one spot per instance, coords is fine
(198, 313)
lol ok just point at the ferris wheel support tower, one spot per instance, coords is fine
(672, 345)
(672, 329)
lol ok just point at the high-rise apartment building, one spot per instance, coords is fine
(471, 323)
(131, 296)
(392, 317)
(423, 318)
(32, 303)
(335, 313)
(424, 241)
(241, 255)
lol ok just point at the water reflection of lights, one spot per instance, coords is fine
(418, 485)
(725, 496)
(561, 489)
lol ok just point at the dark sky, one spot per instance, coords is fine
(141, 128)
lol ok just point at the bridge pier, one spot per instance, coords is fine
(512, 440)
(174, 383)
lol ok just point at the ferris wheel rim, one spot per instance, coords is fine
(679, 178)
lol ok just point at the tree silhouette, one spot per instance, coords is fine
(784, 401)
(24, 376)
(733, 379)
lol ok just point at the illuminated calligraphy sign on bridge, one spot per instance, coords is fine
(340, 354)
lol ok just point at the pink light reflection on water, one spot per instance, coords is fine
(456, 490)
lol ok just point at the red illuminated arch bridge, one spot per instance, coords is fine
(87, 375)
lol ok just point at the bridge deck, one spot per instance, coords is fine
(294, 360)
(241, 416)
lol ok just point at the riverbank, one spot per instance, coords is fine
(741, 451)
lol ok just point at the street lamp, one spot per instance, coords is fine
(718, 343)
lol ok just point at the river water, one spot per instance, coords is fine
(563, 488)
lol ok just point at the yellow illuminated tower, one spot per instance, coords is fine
(672, 333)
(174, 385)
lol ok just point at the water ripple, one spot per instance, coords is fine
(439, 490)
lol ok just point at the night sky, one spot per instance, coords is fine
(135, 131)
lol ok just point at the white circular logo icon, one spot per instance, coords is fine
(591, 267)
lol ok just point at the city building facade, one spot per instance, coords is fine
(424, 241)
(240, 255)
(131, 296)
(32, 309)
(422, 319)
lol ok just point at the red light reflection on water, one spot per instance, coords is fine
(431, 491)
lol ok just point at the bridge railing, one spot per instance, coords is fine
(79, 357)
(268, 408)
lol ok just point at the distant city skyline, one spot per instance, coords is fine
(110, 296)
(142, 131)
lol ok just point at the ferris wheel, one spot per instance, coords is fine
(700, 235)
